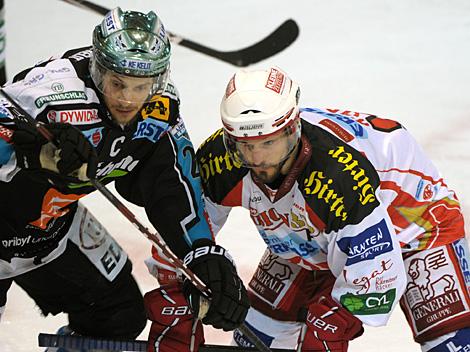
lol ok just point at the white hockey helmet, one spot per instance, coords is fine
(257, 105)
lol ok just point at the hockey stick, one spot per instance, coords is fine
(3, 73)
(278, 40)
(19, 113)
(91, 343)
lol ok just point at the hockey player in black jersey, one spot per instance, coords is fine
(114, 115)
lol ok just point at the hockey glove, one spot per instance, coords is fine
(229, 301)
(73, 157)
(330, 326)
(173, 327)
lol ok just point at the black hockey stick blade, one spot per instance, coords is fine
(90, 343)
(274, 43)
(278, 40)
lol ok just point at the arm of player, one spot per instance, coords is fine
(367, 263)
(69, 154)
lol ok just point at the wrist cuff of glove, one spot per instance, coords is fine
(204, 249)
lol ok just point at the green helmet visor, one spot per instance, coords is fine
(130, 61)
(127, 90)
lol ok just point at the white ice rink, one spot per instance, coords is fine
(404, 59)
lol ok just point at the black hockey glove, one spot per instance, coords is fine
(74, 157)
(214, 266)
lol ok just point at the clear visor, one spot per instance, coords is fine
(267, 151)
(128, 90)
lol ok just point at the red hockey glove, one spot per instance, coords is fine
(173, 327)
(330, 326)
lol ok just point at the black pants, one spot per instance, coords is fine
(95, 306)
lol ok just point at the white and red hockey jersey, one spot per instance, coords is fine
(360, 192)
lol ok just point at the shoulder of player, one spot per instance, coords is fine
(219, 173)
(339, 183)
(165, 107)
(51, 86)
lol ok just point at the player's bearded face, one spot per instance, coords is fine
(124, 96)
(266, 156)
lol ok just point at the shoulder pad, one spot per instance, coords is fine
(339, 183)
(171, 91)
(219, 173)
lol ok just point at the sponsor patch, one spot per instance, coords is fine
(363, 186)
(323, 188)
(150, 129)
(74, 117)
(337, 129)
(372, 303)
(275, 80)
(71, 95)
(94, 135)
(158, 108)
(461, 249)
(347, 122)
(5, 134)
(230, 87)
(368, 244)
(424, 190)
(434, 293)
(134, 64)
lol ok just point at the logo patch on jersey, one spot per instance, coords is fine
(179, 130)
(94, 135)
(372, 303)
(255, 197)
(347, 122)
(74, 117)
(461, 249)
(216, 164)
(423, 191)
(369, 244)
(30, 81)
(150, 129)
(271, 277)
(433, 293)
(294, 244)
(71, 95)
(318, 185)
(126, 164)
(5, 134)
(365, 190)
(81, 55)
(54, 205)
(158, 108)
(57, 87)
(338, 130)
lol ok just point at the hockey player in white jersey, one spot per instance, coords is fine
(355, 218)
(114, 115)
